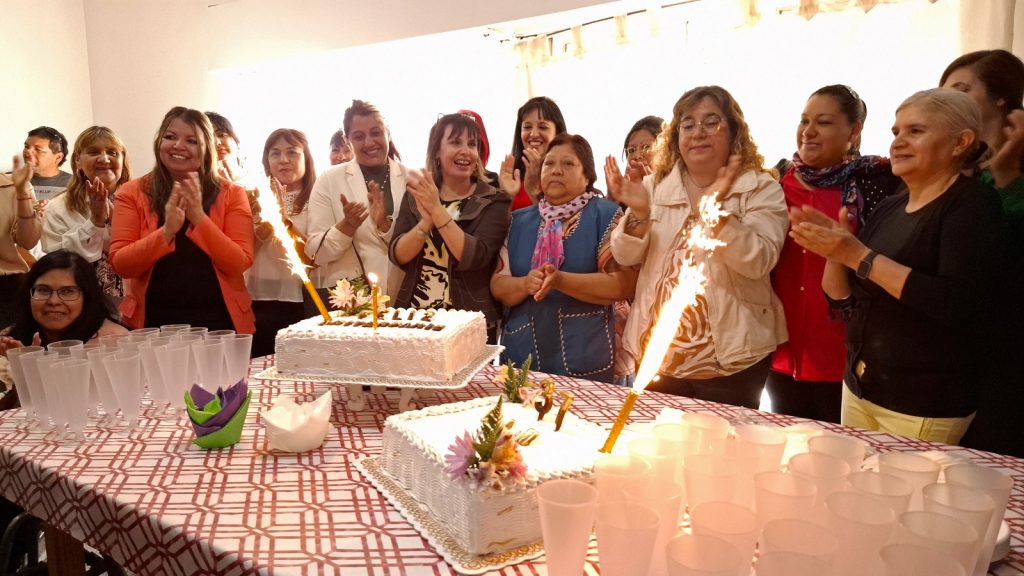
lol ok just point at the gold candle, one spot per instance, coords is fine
(620, 421)
(316, 300)
(374, 296)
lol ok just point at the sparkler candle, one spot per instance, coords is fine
(272, 214)
(690, 285)
(374, 296)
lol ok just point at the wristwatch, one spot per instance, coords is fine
(864, 268)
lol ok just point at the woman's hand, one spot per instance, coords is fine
(1005, 164)
(533, 281)
(191, 194)
(355, 214)
(427, 197)
(22, 175)
(508, 176)
(826, 237)
(378, 213)
(549, 282)
(612, 177)
(532, 164)
(99, 206)
(174, 213)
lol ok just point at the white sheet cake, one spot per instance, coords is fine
(408, 344)
(483, 519)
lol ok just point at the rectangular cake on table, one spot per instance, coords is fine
(488, 514)
(408, 344)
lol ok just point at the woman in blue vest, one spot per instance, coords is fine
(556, 274)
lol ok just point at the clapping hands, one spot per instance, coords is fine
(99, 202)
(540, 281)
(826, 237)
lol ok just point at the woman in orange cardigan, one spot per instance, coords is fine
(181, 236)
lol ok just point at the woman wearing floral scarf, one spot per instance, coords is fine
(828, 173)
(556, 274)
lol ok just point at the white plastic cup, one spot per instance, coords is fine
(801, 537)
(210, 361)
(783, 563)
(850, 449)
(914, 560)
(613, 472)
(18, 375)
(890, 489)
(709, 478)
(667, 499)
(863, 525)
(940, 532)
(104, 386)
(827, 472)
(974, 507)
(75, 375)
(237, 348)
(567, 509)
(778, 495)
(998, 487)
(698, 555)
(731, 522)
(914, 468)
(701, 429)
(768, 442)
(173, 328)
(626, 534)
(125, 372)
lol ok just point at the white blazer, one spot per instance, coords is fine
(335, 252)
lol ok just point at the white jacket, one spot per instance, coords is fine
(332, 249)
(746, 317)
(64, 229)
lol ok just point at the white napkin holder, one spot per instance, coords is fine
(293, 427)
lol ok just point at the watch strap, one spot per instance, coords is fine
(864, 268)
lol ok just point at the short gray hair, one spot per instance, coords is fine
(954, 109)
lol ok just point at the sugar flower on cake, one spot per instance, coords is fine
(352, 296)
(515, 383)
(490, 458)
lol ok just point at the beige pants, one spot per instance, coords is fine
(860, 413)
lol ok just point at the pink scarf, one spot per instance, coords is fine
(549, 249)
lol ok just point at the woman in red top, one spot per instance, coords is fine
(537, 123)
(827, 173)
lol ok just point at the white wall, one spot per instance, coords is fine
(44, 71)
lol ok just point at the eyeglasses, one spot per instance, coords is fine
(67, 293)
(632, 151)
(709, 126)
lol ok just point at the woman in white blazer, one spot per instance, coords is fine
(352, 206)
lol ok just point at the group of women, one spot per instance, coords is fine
(856, 288)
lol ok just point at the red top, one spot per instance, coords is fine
(522, 200)
(816, 350)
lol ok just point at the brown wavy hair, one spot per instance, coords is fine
(460, 124)
(740, 142)
(293, 138)
(77, 199)
(160, 178)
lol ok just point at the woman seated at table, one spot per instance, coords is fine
(352, 205)
(827, 172)
(537, 123)
(60, 299)
(451, 226)
(277, 294)
(918, 281)
(721, 351)
(79, 219)
(556, 273)
(182, 235)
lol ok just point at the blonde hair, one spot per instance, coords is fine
(740, 142)
(160, 183)
(954, 110)
(77, 199)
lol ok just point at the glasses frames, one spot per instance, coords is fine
(67, 293)
(710, 125)
(633, 151)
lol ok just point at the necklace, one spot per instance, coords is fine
(383, 184)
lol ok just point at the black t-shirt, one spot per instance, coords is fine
(184, 289)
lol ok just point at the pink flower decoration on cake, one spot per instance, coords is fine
(461, 455)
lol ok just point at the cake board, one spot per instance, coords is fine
(354, 384)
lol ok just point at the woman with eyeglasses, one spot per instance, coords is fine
(352, 206)
(538, 121)
(637, 150)
(451, 226)
(182, 234)
(79, 219)
(721, 349)
(828, 173)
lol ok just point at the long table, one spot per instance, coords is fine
(157, 504)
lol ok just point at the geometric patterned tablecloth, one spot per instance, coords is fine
(159, 505)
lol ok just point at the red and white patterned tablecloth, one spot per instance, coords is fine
(160, 505)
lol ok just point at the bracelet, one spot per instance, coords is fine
(450, 219)
(633, 222)
(420, 231)
(25, 198)
(32, 217)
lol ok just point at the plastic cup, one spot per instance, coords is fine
(626, 534)
(746, 458)
(666, 498)
(701, 429)
(125, 372)
(174, 327)
(113, 341)
(237, 348)
(194, 330)
(75, 376)
(731, 522)
(890, 489)
(53, 384)
(971, 506)
(850, 449)
(151, 368)
(783, 563)
(914, 560)
(778, 495)
(699, 555)
(827, 472)
(863, 525)
(613, 472)
(940, 532)
(567, 510)
(709, 478)
(18, 375)
(770, 444)
(210, 361)
(173, 359)
(64, 347)
(801, 537)
(913, 468)
(146, 331)
(658, 455)
(998, 486)
(103, 384)
(215, 334)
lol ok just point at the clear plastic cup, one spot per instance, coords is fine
(710, 478)
(863, 525)
(914, 468)
(626, 534)
(731, 522)
(64, 347)
(567, 509)
(210, 361)
(768, 442)
(237, 348)
(34, 383)
(125, 372)
(974, 507)
(998, 486)
(914, 560)
(827, 472)
(664, 464)
(75, 391)
(801, 537)
(104, 386)
(215, 334)
(783, 563)
(890, 489)
(667, 499)
(174, 327)
(698, 555)
(701, 429)
(613, 472)
(940, 532)
(778, 495)
(850, 449)
(20, 384)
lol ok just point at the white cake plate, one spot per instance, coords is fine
(354, 384)
(436, 532)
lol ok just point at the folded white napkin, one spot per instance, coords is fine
(295, 427)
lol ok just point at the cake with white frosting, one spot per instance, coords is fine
(408, 344)
(496, 513)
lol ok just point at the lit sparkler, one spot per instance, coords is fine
(272, 214)
(691, 284)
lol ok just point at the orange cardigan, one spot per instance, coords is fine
(136, 243)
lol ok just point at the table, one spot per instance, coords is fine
(159, 505)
